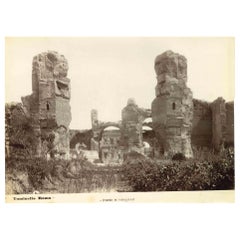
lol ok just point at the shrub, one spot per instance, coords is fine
(179, 157)
(215, 174)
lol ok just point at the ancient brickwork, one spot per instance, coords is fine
(95, 122)
(49, 102)
(219, 122)
(202, 124)
(113, 139)
(213, 123)
(172, 109)
(132, 122)
(230, 123)
(178, 120)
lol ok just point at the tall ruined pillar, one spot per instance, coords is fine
(218, 122)
(172, 109)
(132, 118)
(95, 130)
(95, 122)
(49, 104)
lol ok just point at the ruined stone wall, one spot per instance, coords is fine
(230, 123)
(223, 123)
(48, 104)
(132, 122)
(202, 124)
(172, 109)
(213, 123)
(130, 130)
(218, 123)
(178, 120)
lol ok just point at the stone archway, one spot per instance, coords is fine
(149, 139)
(109, 141)
(106, 125)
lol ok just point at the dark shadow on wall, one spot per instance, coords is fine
(202, 124)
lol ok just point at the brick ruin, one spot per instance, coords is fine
(48, 106)
(172, 109)
(112, 139)
(175, 123)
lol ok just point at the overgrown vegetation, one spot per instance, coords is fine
(209, 171)
(61, 176)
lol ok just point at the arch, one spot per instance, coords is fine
(111, 128)
(108, 125)
(146, 128)
(146, 144)
(147, 120)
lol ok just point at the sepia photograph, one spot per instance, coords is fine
(119, 119)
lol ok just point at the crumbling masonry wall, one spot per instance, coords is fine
(49, 105)
(223, 123)
(172, 109)
(128, 137)
(213, 123)
(202, 124)
(229, 138)
(132, 123)
(178, 120)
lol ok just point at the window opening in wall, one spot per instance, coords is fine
(174, 106)
(48, 106)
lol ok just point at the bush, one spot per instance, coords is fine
(179, 157)
(147, 175)
(142, 174)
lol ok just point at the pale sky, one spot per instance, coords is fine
(105, 72)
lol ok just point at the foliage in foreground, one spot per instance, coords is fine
(208, 171)
(59, 176)
(216, 172)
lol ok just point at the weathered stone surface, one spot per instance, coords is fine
(125, 136)
(132, 126)
(219, 122)
(178, 120)
(172, 109)
(172, 64)
(202, 124)
(49, 105)
(230, 123)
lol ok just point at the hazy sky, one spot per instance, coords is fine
(105, 72)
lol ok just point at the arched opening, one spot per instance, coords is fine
(174, 106)
(109, 144)
(147, 120)
(48, 106)
(148, 136)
